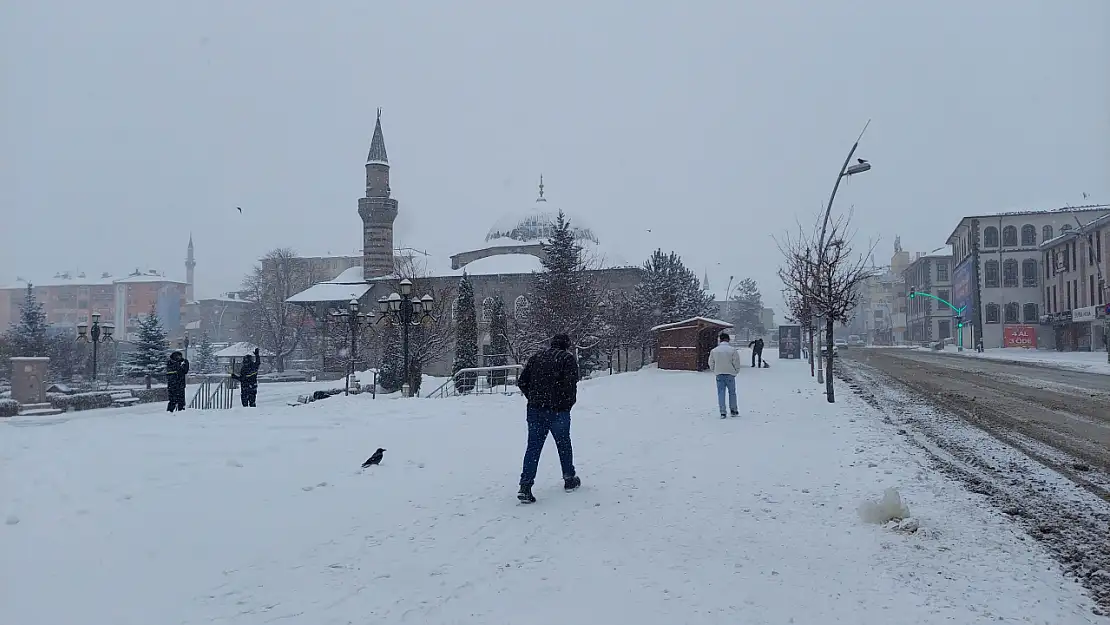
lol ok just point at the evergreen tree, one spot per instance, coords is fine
(151, 347)
(206, 356)
(564, 298)
(498, 341)
(391, 374)
(669, 292)
(466, 335)
(747, 308)
(27, 336)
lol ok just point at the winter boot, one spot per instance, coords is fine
(525, 495)
(736, 414)
(571, 483)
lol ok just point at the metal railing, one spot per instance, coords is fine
(480, 380)
(214, 393)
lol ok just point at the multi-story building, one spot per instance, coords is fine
(880, 314)
(222, 319)
(928, 319)
(996, 275)
(1074, 297)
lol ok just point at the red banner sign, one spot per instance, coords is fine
(1019, 336)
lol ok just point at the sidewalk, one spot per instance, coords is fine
(1089, 362)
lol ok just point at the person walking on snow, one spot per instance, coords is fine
(176, 370)
(724, 361)
(549, 382)
(248, 379)
(757, 351)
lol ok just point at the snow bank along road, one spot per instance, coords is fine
(133, 516)
(1036, 440)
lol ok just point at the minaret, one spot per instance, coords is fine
(378, 211)
(190, 265)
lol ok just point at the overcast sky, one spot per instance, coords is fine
(126, 124)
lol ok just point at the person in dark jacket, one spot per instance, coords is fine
(248, 379)
(176, 370)
(757, 351)
(550, 383)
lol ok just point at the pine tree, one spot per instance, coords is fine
(747, 308)
(27, 337)
(466, 335)
(391, 374)
(669, 292)
(564, 298)
(149, 356)
(206, 356)
(498, 342)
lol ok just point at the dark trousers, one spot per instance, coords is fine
(540, 422)
(757, 353)
(248, 395)
(177, 399)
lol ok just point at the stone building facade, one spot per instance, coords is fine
(928, 319)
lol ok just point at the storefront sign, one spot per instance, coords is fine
(1083, 315)
(1061, 318)
(1019, 336)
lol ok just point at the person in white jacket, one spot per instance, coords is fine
(724, 361)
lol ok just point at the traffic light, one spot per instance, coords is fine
(913, 291)
(959, 321)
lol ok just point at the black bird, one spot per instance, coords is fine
(861, 161)
(374, 459)
(240, 209)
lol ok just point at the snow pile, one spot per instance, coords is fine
(1091, 362)
(889, 508)
(250, 516)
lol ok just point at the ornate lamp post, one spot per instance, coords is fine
(96, 335)
(355, 320)
(399, 308)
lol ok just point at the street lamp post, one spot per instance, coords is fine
(96, 335)
(398, 308)
(355, 320)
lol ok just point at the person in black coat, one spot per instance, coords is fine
(176, 370)
(757, 351)
(248, 379)
(550, 383)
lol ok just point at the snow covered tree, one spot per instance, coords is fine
(65, 356)
(747, 308)
(669, 292)
(564, 298)
(466, 335)
(206, 356)
(498, 342)
(391, 372)
(27, 336)
(272, 323)
(151, 346)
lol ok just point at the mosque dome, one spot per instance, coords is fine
(536, 225)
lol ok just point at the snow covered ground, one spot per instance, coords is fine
(1091, 362)
(133, 516)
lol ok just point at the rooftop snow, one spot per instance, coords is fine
(240, 349)
(691, 320)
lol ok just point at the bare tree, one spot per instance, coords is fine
(274, 324)
(822, 271)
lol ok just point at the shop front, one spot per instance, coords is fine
(1083, 321)
(1064, 332)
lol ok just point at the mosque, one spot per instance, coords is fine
(500, 265)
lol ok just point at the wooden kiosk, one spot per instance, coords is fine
(685, 345)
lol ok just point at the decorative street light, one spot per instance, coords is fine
(96, 335)
(394, 309)
(356, 320)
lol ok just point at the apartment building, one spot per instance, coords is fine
(997, 273)
(929, 319)
(1075, 297)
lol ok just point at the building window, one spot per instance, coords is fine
(944, 329)
(1012, 310)
(1046, 233)
(1028, 235)
(992, 313)
(990, 274)
(1047, 264)
(1091, 301)
(487, 309)
(1101, 290)
(1074, 262)
(1048, 299)
(520, 307)
(944, 295)
(1029, 272)
(1029, 313)
(1009, 236)
(942, 271)
(1055, 302)
(1067, 287)
(990, 236)
(1010, 273)
(1098, 246)
(1064, 228)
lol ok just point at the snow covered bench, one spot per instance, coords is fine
(124, 398)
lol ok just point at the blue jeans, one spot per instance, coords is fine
(540, 422)
(726, 382)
